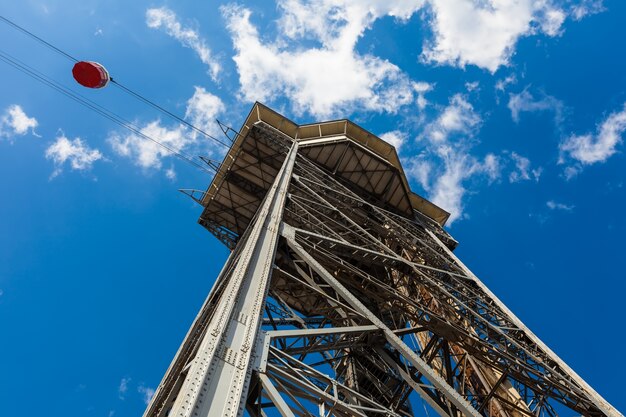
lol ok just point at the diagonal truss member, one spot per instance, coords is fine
(342, 296)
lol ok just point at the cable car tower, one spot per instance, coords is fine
(342, 296)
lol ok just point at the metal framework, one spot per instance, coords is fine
(342, 296)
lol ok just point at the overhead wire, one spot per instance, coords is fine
(37, 38)
(37, 75)
(115, 82)
(172, 115)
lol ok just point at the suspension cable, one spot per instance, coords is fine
(167, 112)
(37, 38)
(115, 82)
(37, 75)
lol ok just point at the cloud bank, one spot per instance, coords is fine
(329, 76)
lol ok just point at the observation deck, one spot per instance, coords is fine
(362, 161)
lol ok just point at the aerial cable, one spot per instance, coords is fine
(37, 38)
(93, 106)
(167, 112)
(33, 73)
(115, 82)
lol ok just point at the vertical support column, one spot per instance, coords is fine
(219, 376)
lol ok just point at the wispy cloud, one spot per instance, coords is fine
(472, 86)
(170, 174)
(202, 110)
(15, 122)
(75, 152)
(553, 205)
(396, 138)
(446, 164)
(595, 147)
(523, 170)
(586, 8)
(503, 83)
(123, 387)
(146, 393)
(449, 188)
(526, 102)
(421, 88)
(165, 19)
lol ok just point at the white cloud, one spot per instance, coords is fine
(449, 187)
(484, 33)
(491, 167)
(330, 76)
(146, 393)
(146, 153)
(123, 388)
(586, 8)
(202, 109)
(591, 148)
(551, 20)
(170, 174)
(457, 118)
(79, 155)
(15, 121)
(420, 169)
(526, 102)
(523, 171)
(446, 165)
(395, 138)
(503, 83)
(553, 205)
(313, 60)
(166, 19)
(472, 86)
(421, 88)
(331, 20)
(572, 171)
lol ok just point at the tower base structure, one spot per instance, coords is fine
(342, 296)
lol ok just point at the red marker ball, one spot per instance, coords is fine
(90, 74)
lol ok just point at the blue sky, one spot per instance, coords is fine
(510, 115)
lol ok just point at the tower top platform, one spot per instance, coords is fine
(360, 159)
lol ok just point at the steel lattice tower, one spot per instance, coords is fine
(342, 297)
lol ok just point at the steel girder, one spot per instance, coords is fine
(332, 305)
